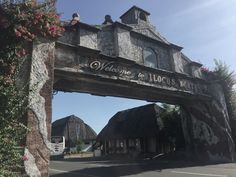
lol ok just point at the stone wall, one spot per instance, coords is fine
(40, 109)
(177, 61)
(88, 39)
(196, 71)
(207, 130)
(70, 37)
(123, 45)
(186, 67)
(65, 56)
(81, 35)
(106, 40)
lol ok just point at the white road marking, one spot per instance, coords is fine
(62, 171)
(57, 161)
(199, 174)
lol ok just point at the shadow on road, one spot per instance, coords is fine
(111, 171)
(124, 167)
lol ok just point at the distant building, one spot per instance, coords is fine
(76, 132)
(137, 130)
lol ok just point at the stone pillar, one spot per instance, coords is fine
(39, 109)
(206, 128)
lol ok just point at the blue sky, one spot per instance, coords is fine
(205, 28)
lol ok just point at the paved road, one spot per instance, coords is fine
(141, 168)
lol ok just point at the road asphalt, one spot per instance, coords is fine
(100, 167)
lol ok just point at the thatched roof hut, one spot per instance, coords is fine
(74, 128)
(143, 121)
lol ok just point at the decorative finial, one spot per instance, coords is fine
(75, 19)
(108, 20)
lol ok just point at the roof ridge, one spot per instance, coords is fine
(136, 7)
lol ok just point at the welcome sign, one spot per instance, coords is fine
(141, 75)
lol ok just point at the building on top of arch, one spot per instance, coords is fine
(135, 39)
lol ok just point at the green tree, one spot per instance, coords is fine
(79, 145)
(172, 124)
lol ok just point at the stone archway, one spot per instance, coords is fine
(205, 118)
(105, 61)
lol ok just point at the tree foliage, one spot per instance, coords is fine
(172, 125)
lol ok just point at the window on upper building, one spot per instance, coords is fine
(142, 16)
(150, 58)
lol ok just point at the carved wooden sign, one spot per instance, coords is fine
(141, 75)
